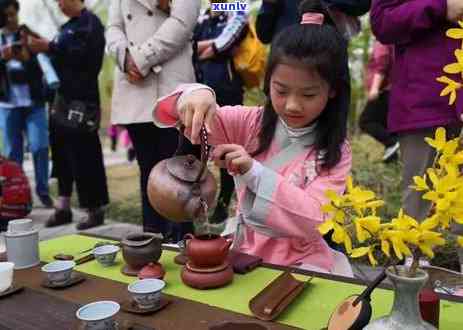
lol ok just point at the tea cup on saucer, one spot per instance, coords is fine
(59, 272)
(147, 293)
(106, 254)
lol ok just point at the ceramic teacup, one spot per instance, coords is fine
(98, 315)
(106, 254)
(147, 293)
(6, 275)
(59, 272)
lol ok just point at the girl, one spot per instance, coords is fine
(285, 155)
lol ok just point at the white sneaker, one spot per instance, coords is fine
(390, 151)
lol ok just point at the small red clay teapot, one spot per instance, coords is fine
(179, 186)
(207, 251)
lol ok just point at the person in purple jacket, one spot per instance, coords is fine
(417, 30)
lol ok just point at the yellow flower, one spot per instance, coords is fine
(444, 189)
(451, 88)
(396, 238)
(460, 240)
(457, 67)
(420, 183)
(338, 214)
(428, 240)
(325, 227)
(450, 158)
(366, 227)
(439, 140)
(334, 198)
(455, 33)
(341, 236)
(360, 252)
(430, 223)
(404, 222)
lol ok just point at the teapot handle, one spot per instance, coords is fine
(188, 236)
(204, 152)
(226, 246)
(181, 140)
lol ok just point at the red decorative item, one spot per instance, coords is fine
(152, 270)
(430, 306)
(16, 191)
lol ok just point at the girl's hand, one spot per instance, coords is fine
(454, 10)
(233, 157)
(197, 109)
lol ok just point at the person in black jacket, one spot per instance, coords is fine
(214, 39)
(22, 99)
(77, 53)
(275, 15)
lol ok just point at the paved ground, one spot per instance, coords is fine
(40, 215)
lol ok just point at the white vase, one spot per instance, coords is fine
(405, 313)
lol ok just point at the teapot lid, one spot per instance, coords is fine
(152, 270)
(186, 168)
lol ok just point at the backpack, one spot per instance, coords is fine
(250, 58)
(16, 191)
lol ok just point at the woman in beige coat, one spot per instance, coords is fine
(150, 42)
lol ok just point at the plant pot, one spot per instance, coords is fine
(405, 313)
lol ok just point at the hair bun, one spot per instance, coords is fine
(314, 6)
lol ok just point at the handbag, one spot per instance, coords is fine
(75, 115)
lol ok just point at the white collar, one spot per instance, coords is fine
(294, 133)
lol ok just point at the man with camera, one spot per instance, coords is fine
(77, 53)
(22, 99)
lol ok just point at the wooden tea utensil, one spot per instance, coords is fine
(355, 312)
(276, 296)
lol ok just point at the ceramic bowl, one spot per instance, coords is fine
(98, 315)
(147, 293)
(6, 275)
(59, 271)
(106, 254)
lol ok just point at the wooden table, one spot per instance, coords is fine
(180, 314)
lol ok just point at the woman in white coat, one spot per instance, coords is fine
(150, 41)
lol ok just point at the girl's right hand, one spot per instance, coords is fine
(197, 109)
(454, 10)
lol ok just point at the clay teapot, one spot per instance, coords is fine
(181, 188)
(207, 251)
(139, 250)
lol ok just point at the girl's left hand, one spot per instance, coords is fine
(233, 157)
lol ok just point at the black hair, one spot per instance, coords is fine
(4, 4)
(323, 48)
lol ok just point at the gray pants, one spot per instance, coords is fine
(417, 156)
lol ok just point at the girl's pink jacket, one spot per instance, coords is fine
(279, 221)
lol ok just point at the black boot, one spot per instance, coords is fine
(60, 217)
(94, 218)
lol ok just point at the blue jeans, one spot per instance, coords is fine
(32, 122)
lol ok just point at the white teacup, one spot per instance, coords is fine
(59, 272)
(106, 254)
(98, 315)
(147, 292)
(6, 275)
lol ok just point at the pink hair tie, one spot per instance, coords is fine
(313, 18)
